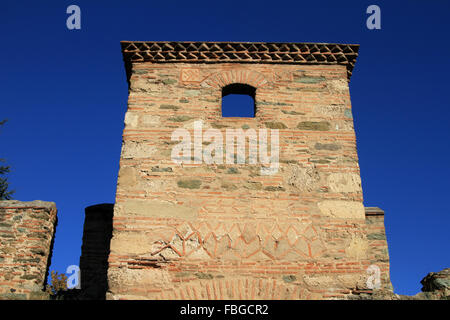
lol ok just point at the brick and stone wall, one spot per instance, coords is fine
(199, 231)
(26, 240)
(378, 252)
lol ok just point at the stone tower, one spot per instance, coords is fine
(187, 229)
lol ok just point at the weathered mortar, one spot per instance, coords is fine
(378, 251)
(198, 231)
(26, 241)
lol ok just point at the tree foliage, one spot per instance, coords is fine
(5, 193)
(57, 286)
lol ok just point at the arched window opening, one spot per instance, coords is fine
(238, 100)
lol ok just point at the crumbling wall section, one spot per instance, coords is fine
(378, 252)
(26, 239)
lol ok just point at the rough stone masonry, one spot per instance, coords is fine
(26, 241)
(224, 231)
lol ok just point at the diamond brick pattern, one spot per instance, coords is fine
(243, 241)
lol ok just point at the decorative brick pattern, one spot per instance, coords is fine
(242, 52)
(225, 230)
(239, 241)
(26, 241)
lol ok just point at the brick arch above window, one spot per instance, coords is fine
(244, 76)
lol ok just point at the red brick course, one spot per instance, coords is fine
(26, 241)
(224, 231)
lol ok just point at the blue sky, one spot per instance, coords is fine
(64, 94)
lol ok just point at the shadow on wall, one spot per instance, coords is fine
(97, 235)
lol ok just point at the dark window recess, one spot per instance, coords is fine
(238, 100)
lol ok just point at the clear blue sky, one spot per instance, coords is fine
(65, 95)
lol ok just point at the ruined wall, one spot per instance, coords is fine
(97, 234)
(378, 252)
(26, 240)
(199, 231)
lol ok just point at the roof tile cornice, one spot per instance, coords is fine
(239, 52)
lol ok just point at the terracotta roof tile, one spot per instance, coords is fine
(248, 52)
